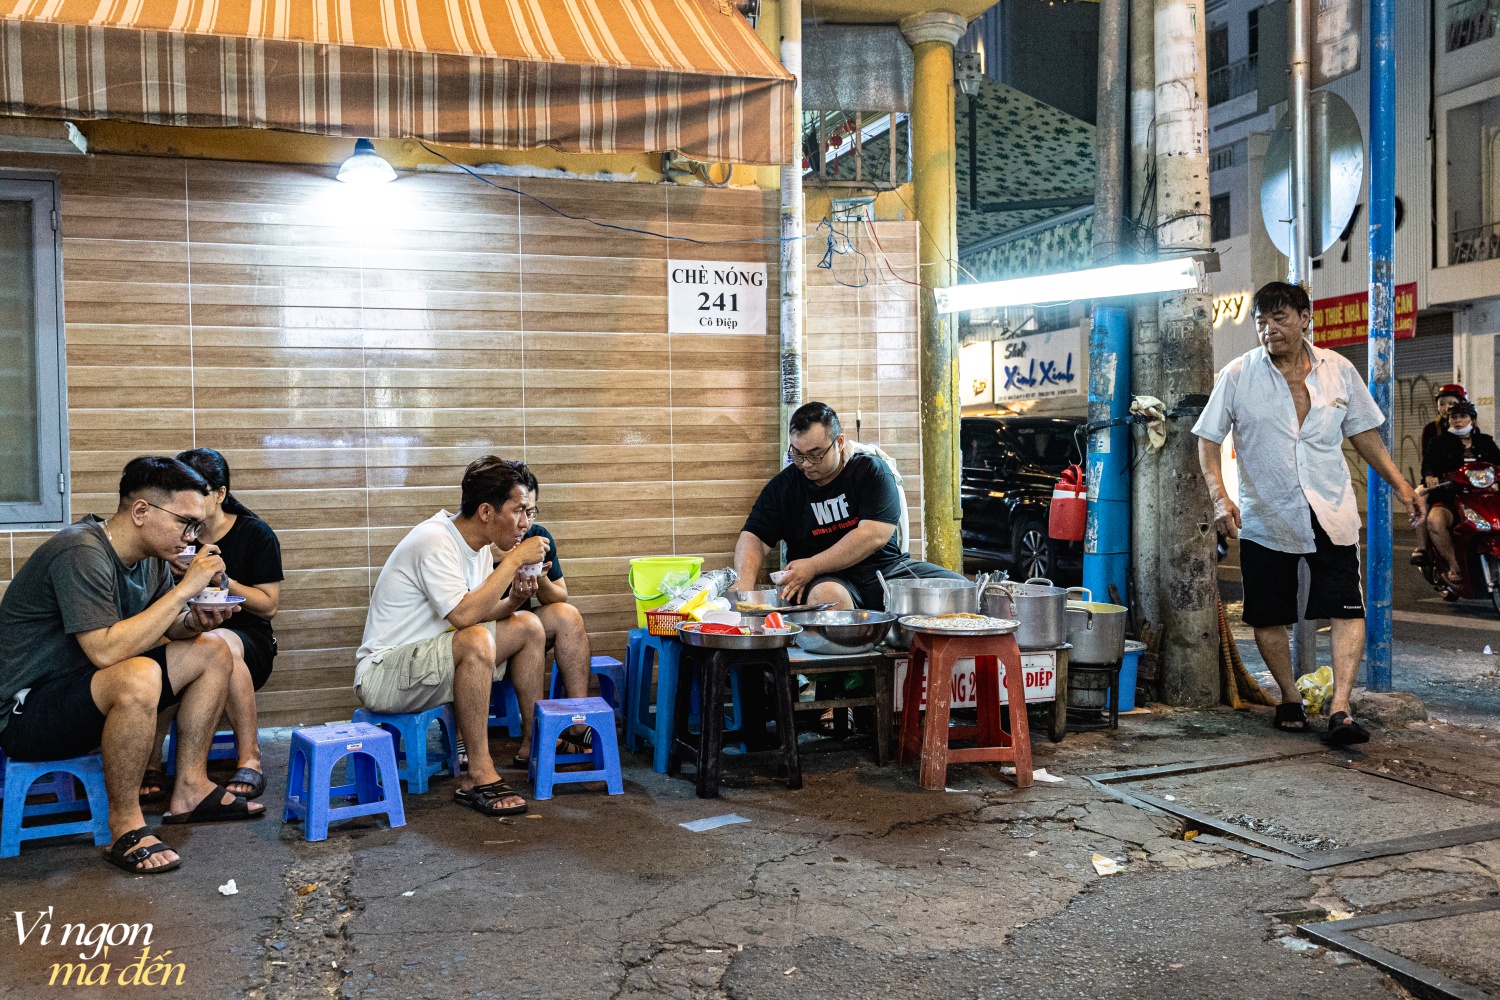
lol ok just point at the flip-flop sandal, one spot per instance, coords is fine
(1344, 731)
(1290, 718)
(249, 776)
(576, 744)
(211, 810)
(124, 854)
(154, 777)
(485, 799)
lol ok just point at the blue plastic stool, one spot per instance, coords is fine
(505, 707)
(20, 780)
(552, 717)
(415, 763)
(639, 653)
(309, 776)
(613, 685)
(224, 747)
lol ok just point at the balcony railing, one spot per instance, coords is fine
(1480, 243)
(1471, 21)
(1228, 82)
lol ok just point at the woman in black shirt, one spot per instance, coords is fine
(252, 569)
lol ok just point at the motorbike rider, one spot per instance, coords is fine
(1443, 399)
(1461, 443)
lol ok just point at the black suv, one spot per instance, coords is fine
(1009, 467)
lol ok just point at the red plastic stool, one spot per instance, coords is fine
(933, 657)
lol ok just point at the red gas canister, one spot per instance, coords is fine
(1070, 507)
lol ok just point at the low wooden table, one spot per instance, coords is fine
(814, 666)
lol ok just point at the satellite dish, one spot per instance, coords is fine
(1336, 148)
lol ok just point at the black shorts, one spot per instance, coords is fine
(59, 718)
(1270, 579)
(260, 654)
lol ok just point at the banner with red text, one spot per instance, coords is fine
(1345, 319)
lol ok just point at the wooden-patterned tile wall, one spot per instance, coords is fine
(350, 352)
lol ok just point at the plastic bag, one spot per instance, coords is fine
(1316, 688)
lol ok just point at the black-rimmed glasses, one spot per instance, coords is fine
(190, 525)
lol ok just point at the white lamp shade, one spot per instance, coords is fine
(1091, 283)
(366, 166)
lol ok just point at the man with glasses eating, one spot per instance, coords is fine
(99, 638)
(837, 512)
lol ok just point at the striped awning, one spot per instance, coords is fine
(596, 76)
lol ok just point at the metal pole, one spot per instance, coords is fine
(1106, 542)
(1145, 347)
(1382, 330)
(1299, 261)
(1188, 567)
(792, 227)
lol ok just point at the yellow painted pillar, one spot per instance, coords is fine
(932, 36)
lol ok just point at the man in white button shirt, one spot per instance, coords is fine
(1290, 406)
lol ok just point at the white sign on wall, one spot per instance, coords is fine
(1039, 365)
(976, 373)
(706, 296)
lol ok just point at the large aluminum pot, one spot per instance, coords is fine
(1039, 606)
(925, 597)
(1096, 630)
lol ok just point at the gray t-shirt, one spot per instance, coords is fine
(74, 582)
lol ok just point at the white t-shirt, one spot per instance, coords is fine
(425, 578)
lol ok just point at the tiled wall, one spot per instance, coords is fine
(350, 352)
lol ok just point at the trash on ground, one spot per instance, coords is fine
(1316, 688)
(1040, 774)
(499, 841)
(309, 887)
(1170, 798)
(1031, 854)
(958, 789)
(229, 888)
(1297, 944)
(409, 892)
(1190, 835)
(533, 816)
(712, 822)
(788, 972)
(1105, 866)
(1488, 651)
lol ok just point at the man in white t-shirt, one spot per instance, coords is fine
(445, 621)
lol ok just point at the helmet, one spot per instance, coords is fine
(1465, 408)
(1451, 389)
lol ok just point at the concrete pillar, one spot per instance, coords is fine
(932, 36)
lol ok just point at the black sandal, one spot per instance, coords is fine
(249, 776)
(124, 854)
(1290, 718)
(485, 799)
(1343, 731)
(211, 810)
(576, 744)
(153, 778)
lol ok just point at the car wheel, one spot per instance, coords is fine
(1031, 550)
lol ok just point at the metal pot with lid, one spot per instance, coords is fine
(923, 596)
(1039, 606)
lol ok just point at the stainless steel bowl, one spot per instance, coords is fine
(841, 631)
(771, 597)
(690, 636)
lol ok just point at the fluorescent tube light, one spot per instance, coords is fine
(1171, 275)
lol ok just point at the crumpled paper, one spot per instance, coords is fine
(1156, 413)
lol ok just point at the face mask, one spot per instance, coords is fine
(1462, 432)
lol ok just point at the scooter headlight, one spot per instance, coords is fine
(1479, 523)
(1482, 479)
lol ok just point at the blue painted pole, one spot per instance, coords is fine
(1106, 540)
(1382, 331)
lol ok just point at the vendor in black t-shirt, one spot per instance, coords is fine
(837, 514)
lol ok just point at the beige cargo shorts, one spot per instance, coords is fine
(414, 677)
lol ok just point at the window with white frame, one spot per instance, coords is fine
(33, 397)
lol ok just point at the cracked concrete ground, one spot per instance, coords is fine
(859, 885)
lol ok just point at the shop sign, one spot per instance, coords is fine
(976, 371)
(1232, 308)
(1038, 674)
(1039, 365)
(1345, 319)
(706, 296)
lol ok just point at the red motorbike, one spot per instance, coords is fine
(1475, 499)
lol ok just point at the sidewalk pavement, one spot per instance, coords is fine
(859, 885)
